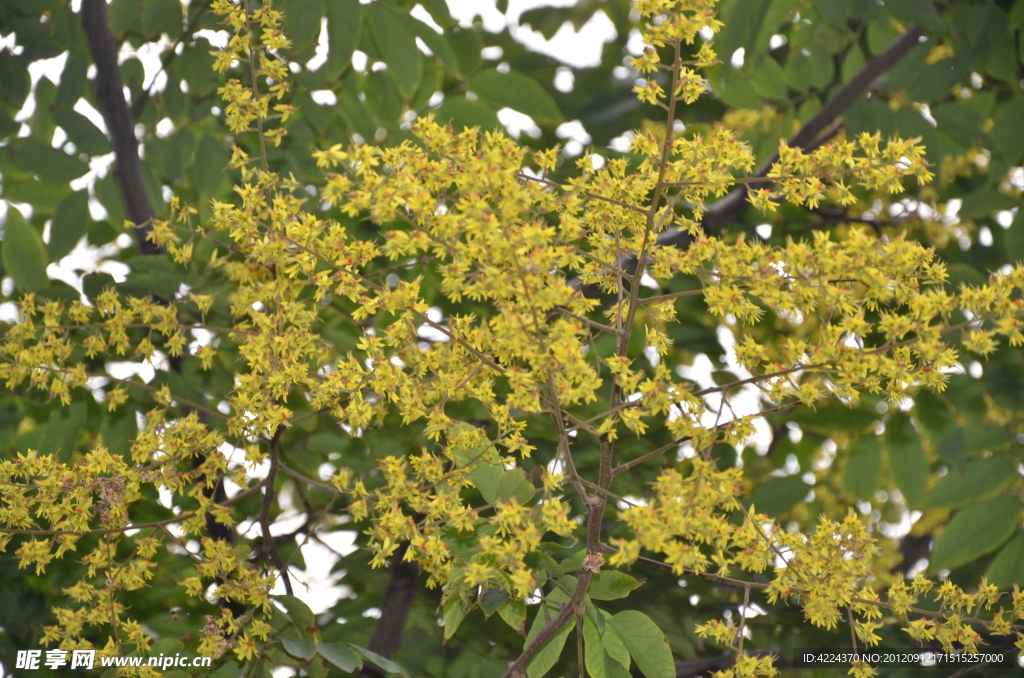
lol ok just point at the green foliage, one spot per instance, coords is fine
(976, 531)
(24, 255)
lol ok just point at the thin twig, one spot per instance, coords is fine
(269, 492)
(743, 617)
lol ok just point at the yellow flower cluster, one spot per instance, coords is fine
(483, 213)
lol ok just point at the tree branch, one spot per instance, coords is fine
(269, 492)
(732, 205)
(394, 610)
(726, 210)
(119, 121)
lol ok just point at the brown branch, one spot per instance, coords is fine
(743, 618)
(591, 564)
(588, 321)
(269, 493)
(119, 121)
(734, 204)
(394, 610)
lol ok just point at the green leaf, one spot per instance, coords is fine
(513, 613)
(881, 34)
(46, 161)
(110, 199)
(611, 585)
(123, 14)
(812, 70)
(907, 463)
(863, 467)
(438, 10)
(513, 484)
(1007, 133)
(161, 16)
(300, 649)
(984, 203)
(24, 255)
(853, 63)
(383, 98)
(1016, 17)
(646, 643)
(461, 112)
(1015, 238)
(952, 446)
(961, 121)
(935, 81)
(72, 82)
(68, 225)
(834, 417)
(492, 599)
(777, 495)
(1007, 568)
(1002, 53)
(397, 45)
(921, 13)
(832, 11)
(549, 653)
(316, 668)
(435, 42)
(301, 615)
(61, 431)
(770, 80)
(453, 614)
(339, 655)
(383, 662)
(14, 78)
(86, 136)
(976, 531)
(939, 424)
(972, 483)
(211, 160)
(573, 562)
(302, 25)
(44, 196)
(742, 24)
(195, 67)
(355, 114)
(119, 430)
(467, 43)
(961, 273)
(344, 24)
(486, 478)
(518, 92)
(600, 662)
(58, 290)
